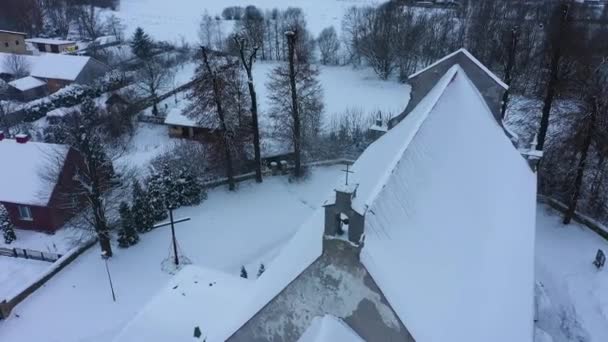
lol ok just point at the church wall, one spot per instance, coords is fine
(336, 284)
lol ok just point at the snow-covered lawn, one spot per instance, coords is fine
(345, 88)
(574, 304)
(16, 274)
(61, 242)
(149, 141)
(228, 230)
(170, 20)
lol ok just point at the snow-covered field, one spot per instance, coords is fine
(226, 231)
(574, 300)
(170, 20)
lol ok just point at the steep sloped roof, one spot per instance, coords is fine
(24, 166)
(468, 55)
(455, 205)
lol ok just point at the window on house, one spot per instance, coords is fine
(16, 42)
(25, 213)
(6, 44)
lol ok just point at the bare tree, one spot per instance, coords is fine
(89, 22)
(153, 77)
(590, 126)
(217, 102)
(296, 102)
(17, 65)
(329, 45)
(252, 27)
(558, 28)
(377, 43)
(59, 14)
(248, 54)
(96, 186)
(115, 27)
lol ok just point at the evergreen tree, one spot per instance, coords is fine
(141, 44)
(173, 186)
(243, 272)
(142, 211)
(127, 235)
(6, 226)
(261, 270)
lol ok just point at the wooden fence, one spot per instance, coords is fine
(29, 254)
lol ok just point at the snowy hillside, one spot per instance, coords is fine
(171, 20)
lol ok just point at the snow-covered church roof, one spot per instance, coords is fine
(449, 209)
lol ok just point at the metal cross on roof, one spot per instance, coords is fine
(346, 172)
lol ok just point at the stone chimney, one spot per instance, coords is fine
(341, 220)
(22, 138)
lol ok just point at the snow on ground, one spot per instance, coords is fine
(228, 230)
(166, 20)
(18, 273)
(574, 301)
(149, 141)
(345, 88)
(61, 242)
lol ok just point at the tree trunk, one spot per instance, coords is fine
(553, 82)
(582, 163)
(248, 65)
(508, 71)
(291, 41)
(224, 129)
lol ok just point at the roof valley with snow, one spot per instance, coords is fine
(439, 244)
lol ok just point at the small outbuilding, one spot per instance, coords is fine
(53, 45)
(27, 88)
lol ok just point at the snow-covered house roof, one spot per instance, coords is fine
(22, 175)
(445, 194)
(175, 117)
(27, 83)
(50, 65)
(50, 41)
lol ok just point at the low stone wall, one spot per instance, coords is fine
(595, 226)
(7, 305)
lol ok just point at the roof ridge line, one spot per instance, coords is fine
(443, 85)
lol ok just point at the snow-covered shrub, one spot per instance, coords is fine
(243, 272)
(7, 226)
(175, 185)
(144, 210)
(127, 236)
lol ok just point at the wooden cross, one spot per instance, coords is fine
(346, 172)
(172, 224)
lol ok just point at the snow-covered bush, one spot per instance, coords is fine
(6, 226)
(175, 185)
(127, 236)
(144, 210)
